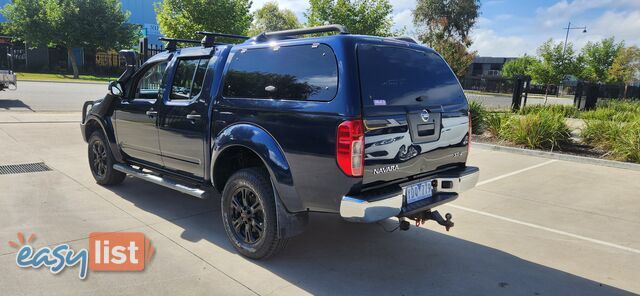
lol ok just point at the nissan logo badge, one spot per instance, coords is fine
(424, 115)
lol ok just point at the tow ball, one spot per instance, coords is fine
(425, 216)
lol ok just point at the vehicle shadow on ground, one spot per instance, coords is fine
(8, 104)
(336, 257)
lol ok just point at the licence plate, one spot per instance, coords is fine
(418, 191)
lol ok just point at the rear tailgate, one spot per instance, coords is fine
(414, 111)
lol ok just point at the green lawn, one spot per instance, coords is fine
(61, 77)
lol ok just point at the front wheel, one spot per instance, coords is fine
(101, 161)
(249, 214)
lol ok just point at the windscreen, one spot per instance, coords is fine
(391, 75)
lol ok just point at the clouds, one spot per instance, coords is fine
(623, 24)
(404, 20)
(562, 11)
(489, 43)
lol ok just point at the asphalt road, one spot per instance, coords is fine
(533, 226)
(504, 102)
(53, 96)
(50, 96)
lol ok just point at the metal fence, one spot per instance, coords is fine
(110, 63)
(148, 50)
(20, 57)
(501, 85)
(607, 91)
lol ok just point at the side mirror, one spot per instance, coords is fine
(115, 89)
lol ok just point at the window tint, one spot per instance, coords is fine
(303, 72)
(187, 82)
(398, 76)
(151, 81)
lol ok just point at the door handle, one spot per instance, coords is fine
(193, 116)
(151, 113)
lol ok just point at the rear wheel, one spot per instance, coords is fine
(249, 214)
(101, 161)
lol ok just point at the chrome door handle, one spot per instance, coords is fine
(193, 116)
(151, 113)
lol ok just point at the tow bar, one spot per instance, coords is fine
(425, 216)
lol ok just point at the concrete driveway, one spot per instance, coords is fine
(533, 226)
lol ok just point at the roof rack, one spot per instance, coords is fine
(209, 38)
(304, 31)
(172, 44)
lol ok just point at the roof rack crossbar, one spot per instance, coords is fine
(214, 34)
(172, 43)
(209, 38)
(304, 31)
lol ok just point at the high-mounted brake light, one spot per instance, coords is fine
(350, 147)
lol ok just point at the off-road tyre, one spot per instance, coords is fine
(249, 214)
(101, 161)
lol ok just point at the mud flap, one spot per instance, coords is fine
(289, 224)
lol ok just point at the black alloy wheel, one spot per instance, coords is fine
(247, 215)
(99, 159)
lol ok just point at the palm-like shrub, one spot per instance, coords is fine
(478, 116)
(545, 129)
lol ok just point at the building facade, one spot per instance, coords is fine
(487, 66)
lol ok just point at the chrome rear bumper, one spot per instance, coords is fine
(376, 207)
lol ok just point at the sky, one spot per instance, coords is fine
(511, 28)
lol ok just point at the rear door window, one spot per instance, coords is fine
(301, 72)
(396, 76)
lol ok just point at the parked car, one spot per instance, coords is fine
(282, 125)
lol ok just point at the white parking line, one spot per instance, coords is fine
(580, 237)
(515, 172)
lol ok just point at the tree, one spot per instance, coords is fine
(366, 17)
(519, 66)
(183, 18)
(596, 59)
(626, 66)
(456, 54)
(271, 18)
(90, 24)
(555, 64)
(445, 26)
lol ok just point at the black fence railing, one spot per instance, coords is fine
(20, 57)
(502, 85)
(606, 91)
(148, 50)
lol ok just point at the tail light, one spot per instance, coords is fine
(350, 147)
(469, 141)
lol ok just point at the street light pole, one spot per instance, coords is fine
(564, 49)
(566, 38)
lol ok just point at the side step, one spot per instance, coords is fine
(199, 193)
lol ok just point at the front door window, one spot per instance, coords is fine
(151, 81)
